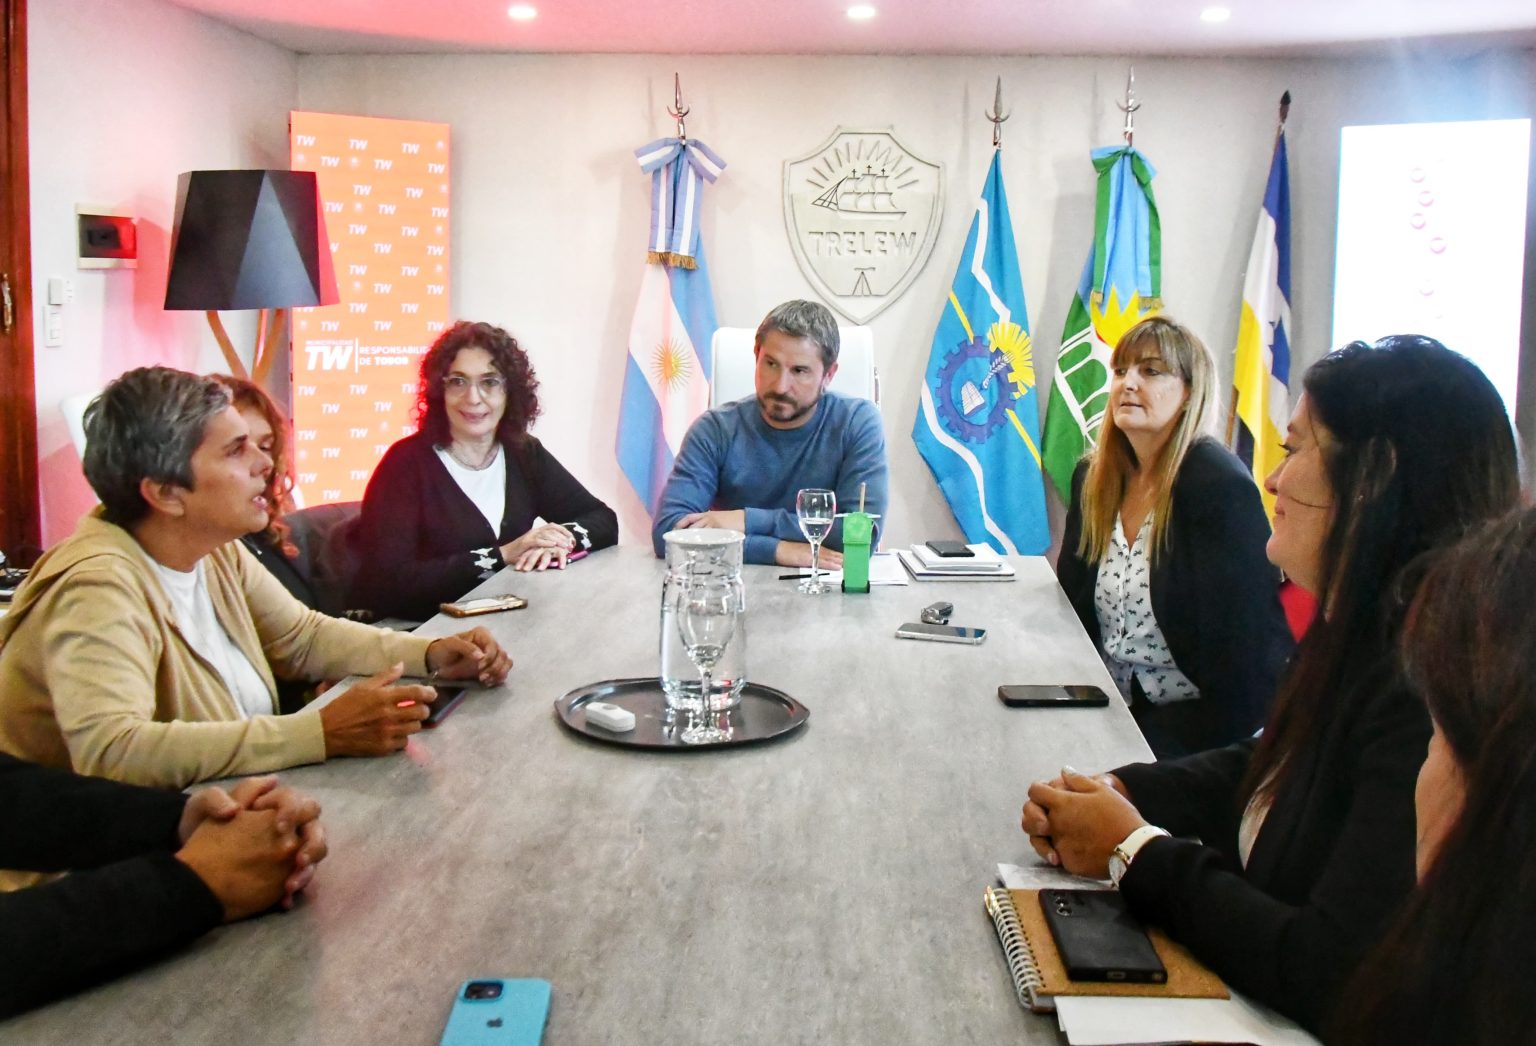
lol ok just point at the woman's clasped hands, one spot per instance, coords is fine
(1075, 821)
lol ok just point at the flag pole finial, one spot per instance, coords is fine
(1285, 108)
(677, 110)
(1129, 107)
(997, 116)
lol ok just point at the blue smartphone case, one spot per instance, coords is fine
(516, 1018)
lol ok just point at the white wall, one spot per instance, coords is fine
(124, 96)
(550, 210)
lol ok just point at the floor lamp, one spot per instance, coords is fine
(249, 240)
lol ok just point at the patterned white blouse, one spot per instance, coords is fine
(1134, 648)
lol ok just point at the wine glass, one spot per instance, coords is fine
(816, 509)
(706, 620)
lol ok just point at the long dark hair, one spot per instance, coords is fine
(247, 395)
(1421, 451)
(1456, 966)
(510, 361)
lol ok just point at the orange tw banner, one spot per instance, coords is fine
(384, 189)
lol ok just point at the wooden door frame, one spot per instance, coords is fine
(20, 518)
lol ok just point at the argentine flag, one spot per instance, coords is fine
(1262, 365)
(978, 419)
(666, 382)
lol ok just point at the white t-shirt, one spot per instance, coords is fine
(486, 487)
(192, 608)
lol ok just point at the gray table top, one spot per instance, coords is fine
(822, 888)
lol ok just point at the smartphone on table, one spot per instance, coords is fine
(450, 693)
(941, 633)
(1098, 939)
(1072, 695)
(948, 549)
(482, 605)
(493, 1011)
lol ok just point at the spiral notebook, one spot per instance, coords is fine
(1038, 974)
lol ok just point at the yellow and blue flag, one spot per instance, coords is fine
(978, 421)
(666, 380)
(1121, 285)
(1262, 361)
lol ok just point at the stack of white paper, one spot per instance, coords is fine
(983, 565)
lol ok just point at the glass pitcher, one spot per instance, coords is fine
(702, 553)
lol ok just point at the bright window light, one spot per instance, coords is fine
(861, 12)
(1215, 14)
(522, 12)
(1432, 238)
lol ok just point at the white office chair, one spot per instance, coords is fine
(735, 364)
(73, 409)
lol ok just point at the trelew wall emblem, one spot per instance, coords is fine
(862, 214)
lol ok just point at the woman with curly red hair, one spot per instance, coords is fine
(455, 502)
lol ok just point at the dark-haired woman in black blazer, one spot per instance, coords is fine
(1307, 834)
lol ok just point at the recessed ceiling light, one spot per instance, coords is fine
(522, 12)
(1215, 14)
(861, 12)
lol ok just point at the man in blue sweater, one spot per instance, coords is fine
(742, 464)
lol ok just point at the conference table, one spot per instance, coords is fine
(825, 887)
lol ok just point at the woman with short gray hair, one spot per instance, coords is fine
(144, 646)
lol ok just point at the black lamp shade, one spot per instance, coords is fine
(249, 240)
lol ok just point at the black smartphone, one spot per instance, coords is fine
(949, 548)
(1072, 695)
(1098, 939)
(449, 694)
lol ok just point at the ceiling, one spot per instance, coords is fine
(978, 27)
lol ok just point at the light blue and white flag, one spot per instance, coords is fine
(666, 381)
(978, 420)
(678, 168)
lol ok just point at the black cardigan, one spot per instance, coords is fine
(421, 540)
(1331, 864)
(1215, 595)
(127, 901)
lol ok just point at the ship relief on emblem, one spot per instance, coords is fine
(862, 214)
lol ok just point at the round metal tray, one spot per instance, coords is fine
(764, 714)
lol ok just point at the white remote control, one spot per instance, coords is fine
(610, 717)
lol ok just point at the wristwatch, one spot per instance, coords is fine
(1121, 857)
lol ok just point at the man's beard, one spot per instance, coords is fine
(800, 410)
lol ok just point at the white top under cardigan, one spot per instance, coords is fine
(192, 608)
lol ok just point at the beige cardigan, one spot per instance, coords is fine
(96, 675)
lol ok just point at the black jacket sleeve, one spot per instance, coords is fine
(560, 498)
(1196, 795)
(1331, 864)
(416, 543)
(1076, 575)
(134, 902)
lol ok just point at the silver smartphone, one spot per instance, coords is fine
(941, 633)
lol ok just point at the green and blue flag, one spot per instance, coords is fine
(1121, 285)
